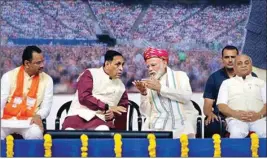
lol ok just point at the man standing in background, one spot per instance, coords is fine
(213, 116)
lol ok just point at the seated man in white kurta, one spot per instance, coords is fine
(101, 100)
(165, 97)
(26, 96)
(242, 99)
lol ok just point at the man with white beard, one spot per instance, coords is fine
(165, 97)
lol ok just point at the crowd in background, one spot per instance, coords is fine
(46, 19)
(79, 19)
(176, 24)
(65, 63)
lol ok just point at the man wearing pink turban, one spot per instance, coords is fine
(165, 97)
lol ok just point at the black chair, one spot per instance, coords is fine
(222, 126)
(132, 106)
(199, 120)
(64, 107)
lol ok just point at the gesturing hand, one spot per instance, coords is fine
(140, 86)
(153, 84)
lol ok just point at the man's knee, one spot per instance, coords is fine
(191, 136)
(260, 128)
(34, 132)
(68, 128)
(261, 133)
(237, 133)
(102, 127)
(214, 127)
(3, 134)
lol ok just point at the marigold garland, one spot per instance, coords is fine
(254, 144)
(84, 148)
(9, 146)
(217, 145)
(184, 145)
(152, 145)
(117, 145)
(47, 145)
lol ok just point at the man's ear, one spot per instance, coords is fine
(107, 63)
(26, 63)
(165, 62)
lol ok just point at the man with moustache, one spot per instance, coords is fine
(213, 116)
(26, 96)
(165, 97)
(101, 100)
(242, 99)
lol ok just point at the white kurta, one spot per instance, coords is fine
(246, 95)
(171, 110)
(44, 100)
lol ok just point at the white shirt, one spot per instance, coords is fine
(247, 84)
(45, 106)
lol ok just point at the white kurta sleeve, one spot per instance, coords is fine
(5, 89)
(145, 107)
(48, 99)
(182, 95)
(223, 93)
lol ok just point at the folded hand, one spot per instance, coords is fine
(118, 109)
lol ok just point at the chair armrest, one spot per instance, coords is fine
(57, 123)
(44, 123)
(200, 127)
(222, 123)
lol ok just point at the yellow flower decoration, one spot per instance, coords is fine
(47, 145)
(9, 146)
(254, 144)
(117, 145)
(84, 148)
(184, 145)
(217, 145)
(152, 145)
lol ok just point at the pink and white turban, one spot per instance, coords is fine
(159, 53)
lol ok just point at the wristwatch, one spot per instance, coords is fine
(106, 107)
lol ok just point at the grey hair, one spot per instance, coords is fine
(246, 56)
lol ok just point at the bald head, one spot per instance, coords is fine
(243, 65)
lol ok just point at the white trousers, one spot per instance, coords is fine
(192, 119)
(33, 132)
(187, 129)
(240, 129)
(99, 128)
(191, 114)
